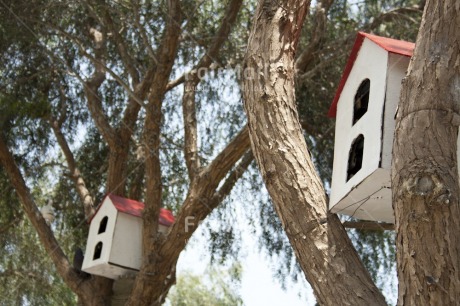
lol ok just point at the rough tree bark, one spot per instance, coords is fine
(424, 175)
(320, 242)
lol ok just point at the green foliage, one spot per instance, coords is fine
(215, 288)
(377, 251)
(27, 275)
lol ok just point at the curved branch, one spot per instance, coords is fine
(393, 14)
(193, 79)
(91, 88)
(320, 243)
(142, 32)
(231, 180)
(46, 236)
(225, 160)
(200, 201)
(319, 29)
(75, 174)
(121, 46)
(222, 35)
(202, 196)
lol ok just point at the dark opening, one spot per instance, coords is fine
(355, 157)
(361, 100)
(103, 225)
(97, 251)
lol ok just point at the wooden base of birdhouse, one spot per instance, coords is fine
(110, 270)
(370, 199)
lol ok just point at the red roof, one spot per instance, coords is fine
(391, 45)
(135, 208)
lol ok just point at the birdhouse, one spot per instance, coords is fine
(364, 107)
(114, 246)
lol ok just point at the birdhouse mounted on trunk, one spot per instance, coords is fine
(114, 245)
(364, 107)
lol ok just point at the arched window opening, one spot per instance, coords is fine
(103, 225)
(355, 157)
(361, 100)
(97, 251)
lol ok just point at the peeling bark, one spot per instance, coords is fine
(320, 242)
(424, 174)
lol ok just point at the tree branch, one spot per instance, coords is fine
(91, 88)
(128, 123)
(225, 160)
(199, 203)
(46, 236)
(319, 241)
(231, 180)
(317, 33)
(75, 174)
(192, 80)
(98, 62)
(121, 46)
(143, 291)
(393, 14)
(176, 82)
(202, 194)
(142, 32)
(167, 51)
(192, 160)
(222, 35)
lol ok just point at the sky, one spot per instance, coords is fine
(258, 286)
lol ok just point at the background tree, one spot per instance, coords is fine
(82, 86)
(216, 287)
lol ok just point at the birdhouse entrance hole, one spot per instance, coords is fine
(361, 100)
(103, 225)
(97, 251)
(355, 157)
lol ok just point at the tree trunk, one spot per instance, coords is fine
(424, 174)
(320, 242)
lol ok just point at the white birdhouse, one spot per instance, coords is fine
(364, 106)
(114, 246)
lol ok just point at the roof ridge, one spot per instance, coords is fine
(391, 45)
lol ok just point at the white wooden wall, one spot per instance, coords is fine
(371, 63)
(107, 209)
(127, 242)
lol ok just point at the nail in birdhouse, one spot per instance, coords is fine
(364, 107)
(114, 246)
